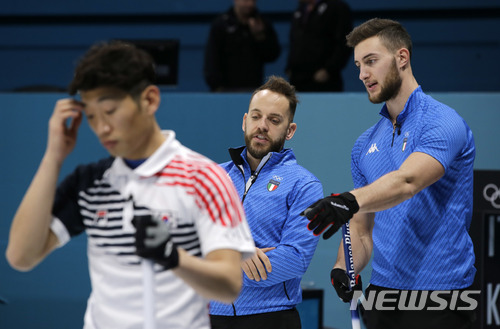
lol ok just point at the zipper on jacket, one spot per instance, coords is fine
(254, 175)
(398, 127)
(234, 309)
(249, 184)
(286, 292)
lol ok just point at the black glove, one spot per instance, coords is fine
(334, 210)
(152, 241)
(340, 281)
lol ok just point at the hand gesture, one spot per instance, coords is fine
(153, 241)
(321, 76)
(257, 28)
(63, 128)
(334, 210)
(257, 267)
(340, 281)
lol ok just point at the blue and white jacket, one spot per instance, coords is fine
(273, 197)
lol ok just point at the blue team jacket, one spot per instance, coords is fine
(273, 197)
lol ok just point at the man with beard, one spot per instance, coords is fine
(412, 202)
(240, 42)
(274, 189)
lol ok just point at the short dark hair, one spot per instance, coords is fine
(114, 64)
(392, 34)
(281, 86)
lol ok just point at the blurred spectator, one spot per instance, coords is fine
(241, 41)
(318, 50)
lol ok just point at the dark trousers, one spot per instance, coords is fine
(288, 319)
(417, 319)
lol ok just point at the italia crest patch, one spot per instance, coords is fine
(272, 185)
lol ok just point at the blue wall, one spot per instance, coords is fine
(184, 7)
(54, 294)
(456, 43)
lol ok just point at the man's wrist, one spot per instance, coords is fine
(170, 262)
(339, 265)
(351, 199)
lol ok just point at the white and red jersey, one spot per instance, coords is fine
(190, 191)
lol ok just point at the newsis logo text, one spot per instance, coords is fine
(390, 300)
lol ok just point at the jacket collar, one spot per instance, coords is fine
(239, 156)
(411, 103)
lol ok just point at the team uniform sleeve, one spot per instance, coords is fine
(292, 256)
(67, 221)
(359, 180)
(221, 222)
(442, 138)
(67, 217)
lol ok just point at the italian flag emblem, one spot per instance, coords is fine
(404, 145)
(272, 185)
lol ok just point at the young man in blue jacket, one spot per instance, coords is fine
(411, 206)
(274, 189)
